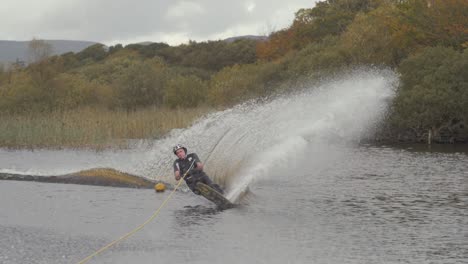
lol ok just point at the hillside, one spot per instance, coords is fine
(12, 50)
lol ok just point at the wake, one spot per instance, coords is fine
(249, 141)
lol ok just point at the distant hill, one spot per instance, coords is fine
(246, 37)
(229, 40)
(10, 51)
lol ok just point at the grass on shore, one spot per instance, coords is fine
(91, 128)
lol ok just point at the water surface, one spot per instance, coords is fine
(364, 205)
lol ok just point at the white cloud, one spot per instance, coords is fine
(129, 21)
(183, 9)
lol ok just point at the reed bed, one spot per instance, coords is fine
(92, 128)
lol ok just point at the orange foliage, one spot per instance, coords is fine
(278, 44)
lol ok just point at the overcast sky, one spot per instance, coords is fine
(131, 21)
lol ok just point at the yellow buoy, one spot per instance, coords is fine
(160, 187)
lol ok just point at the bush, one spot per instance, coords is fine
(434, 89)
(141, 84)
(241, 82)
(185, 91)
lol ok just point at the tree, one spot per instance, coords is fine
(278, 44)
(94, 53)
(115, 48)
(378, 37)
(433, 90)
(316, 60)
(234, 84)
(185, 91)
(436, 22)
(38, 50)
(141, 84)
(327, 18)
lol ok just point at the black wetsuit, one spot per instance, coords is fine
(193, 176)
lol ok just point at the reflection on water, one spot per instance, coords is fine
(59, 162)
(195, 215)
(434, 148)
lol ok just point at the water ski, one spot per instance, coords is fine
(214, 196)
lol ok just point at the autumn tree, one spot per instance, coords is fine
(378, 37)
(327, 18)
(436, 22)
(278, 44)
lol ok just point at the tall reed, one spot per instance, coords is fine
(91, 127)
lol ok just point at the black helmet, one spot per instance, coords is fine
(179, 146)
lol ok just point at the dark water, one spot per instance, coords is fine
(352, 205)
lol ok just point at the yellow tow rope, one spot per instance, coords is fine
(140, 226)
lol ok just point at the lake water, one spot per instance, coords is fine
(316, 194)
(365, 205)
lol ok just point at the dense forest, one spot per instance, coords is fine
(425, 41)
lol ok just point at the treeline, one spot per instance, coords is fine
(128, 77)
(424, 40)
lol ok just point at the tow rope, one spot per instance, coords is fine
(127, 235)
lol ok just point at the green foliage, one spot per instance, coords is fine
(115, 48)
(141, 84)
(73, 91)
(372, 38)
(211, 55)
(41, 88)
(92, 53)
(316, 59)
(185, 91)
(148, 51)
(241, 82)
(327, 18)
(434, 89)
(111, 68)
(203, 74)
(435, 22)
(19, 94)
(66, 62)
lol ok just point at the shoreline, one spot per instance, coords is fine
(147, 143)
